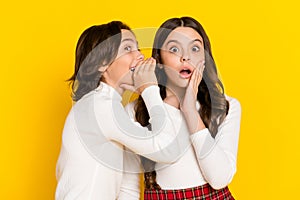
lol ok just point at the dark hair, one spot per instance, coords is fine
(214, 106)
(97, 46)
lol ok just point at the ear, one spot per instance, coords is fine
(102, 69)
(103, 72)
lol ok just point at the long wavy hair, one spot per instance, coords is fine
(214, 106)
(97, 47)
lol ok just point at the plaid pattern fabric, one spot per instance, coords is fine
(204, 192)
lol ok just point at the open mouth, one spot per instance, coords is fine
(185, 73)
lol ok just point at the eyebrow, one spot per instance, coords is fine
(128, 39)
(176, 41)
(198, 41)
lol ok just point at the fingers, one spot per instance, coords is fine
(193, 77)
(143, 75)
(152, 65)
(200, 66)
(149, 65)
(146, 65)
(195, 80)
(140, 66)
(200, 69)
(197, 76)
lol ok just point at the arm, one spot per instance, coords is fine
(217, 157)
(159, 145)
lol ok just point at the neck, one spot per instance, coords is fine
(174, 95)
(115, 86)
(119, 90)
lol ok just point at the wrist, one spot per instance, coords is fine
(194, 121)
(190, 112)
(141, 89)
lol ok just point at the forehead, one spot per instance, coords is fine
(126, 34)
(184, 34)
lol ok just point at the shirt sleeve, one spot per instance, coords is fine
(217, 156)
(160, 144)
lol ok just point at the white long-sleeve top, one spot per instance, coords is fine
(90, 164)
(205, 159)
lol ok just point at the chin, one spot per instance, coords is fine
(183, 83)
(125, 80)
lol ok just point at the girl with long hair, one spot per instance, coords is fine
(92, 159)
(210, 120)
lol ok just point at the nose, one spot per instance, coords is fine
(139, 56)
(184, 58)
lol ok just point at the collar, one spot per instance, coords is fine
(109, 91)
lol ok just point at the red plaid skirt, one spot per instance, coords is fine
(204, 192)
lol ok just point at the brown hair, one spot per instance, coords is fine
(97, 47)
(214, 106)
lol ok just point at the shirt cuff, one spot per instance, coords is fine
(203, 143)
(152, 97)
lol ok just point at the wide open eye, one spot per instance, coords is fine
(128, 48)
(174, 50)
(195, 49)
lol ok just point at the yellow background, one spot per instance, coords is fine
(255, 44)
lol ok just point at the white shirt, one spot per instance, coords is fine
(205, 159)
(90, 164)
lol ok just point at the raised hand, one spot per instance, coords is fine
(188, 104)
(143, 76)
(189, 101)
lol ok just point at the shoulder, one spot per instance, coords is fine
(234, 104)
(233, 117)
(235, 110)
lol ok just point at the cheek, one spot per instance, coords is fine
(170, 60)
(125, 75)
(123, 65)
(126, 60)
(197, 59)
(171, 72)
